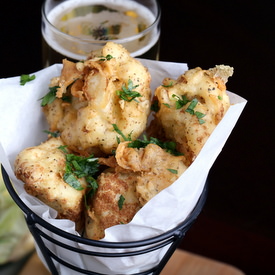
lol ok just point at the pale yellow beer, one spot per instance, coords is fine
(72, 29)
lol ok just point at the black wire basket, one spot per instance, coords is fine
(65, 240)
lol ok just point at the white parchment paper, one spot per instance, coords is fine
(22, 124)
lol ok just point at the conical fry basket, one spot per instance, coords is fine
(35, 224)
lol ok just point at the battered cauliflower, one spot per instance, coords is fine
(138, 176)
(110, 87)
(115, 202)
(93, 101)
(157, 168)
(41, 168)
(192, 106)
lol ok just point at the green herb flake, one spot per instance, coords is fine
(72, 181)
(127, 93)
(173, 171)
(53, 134)
(167, 105)
(168, 85)
(92, 187)
(77, 167)
(50, 96)
(219, 97)
(91, 190)
(121, 134)
(105, 58)
(24, 78)
(191, 111)
(168, 146)
(192, 106)
(121, 202)
(200, 115)
(180, 102)
(63, 148)
(201, 121)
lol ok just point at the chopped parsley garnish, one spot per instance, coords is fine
(173, 171)
(121, 202)
(121, 134)
(106, 58)
(50, 96)
(127, 93)
(219, 97)
(167, 105)
(191, 110)
(200, 115)
(77, 167)
(24, 78)
(53, 134)
(192, 106)
(168, 85)
(169, 146)
(180, 102)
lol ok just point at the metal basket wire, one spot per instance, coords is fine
(35, 223)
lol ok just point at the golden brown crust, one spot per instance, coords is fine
(157, 168)
(41, 168)
(86, 124)
(105, 210)
(138, 176)
(208, 88)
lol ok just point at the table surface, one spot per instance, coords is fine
(181, 263)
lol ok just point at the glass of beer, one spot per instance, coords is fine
(73, 28)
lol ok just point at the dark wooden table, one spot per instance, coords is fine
(236, 225)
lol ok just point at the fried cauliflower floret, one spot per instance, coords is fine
(139, 175)
(41, 168)
(157, 168)
(192, 106)
(115, 203)
(96, 90)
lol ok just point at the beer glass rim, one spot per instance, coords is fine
(94, 41)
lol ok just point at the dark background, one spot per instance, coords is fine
(237, 223)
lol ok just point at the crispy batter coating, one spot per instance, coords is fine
(41, 168)
(191, 128)
(107, 208)
(140, 174)
(157, 168)
(86, 123)
(190, 107)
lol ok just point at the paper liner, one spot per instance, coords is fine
(22, 126)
